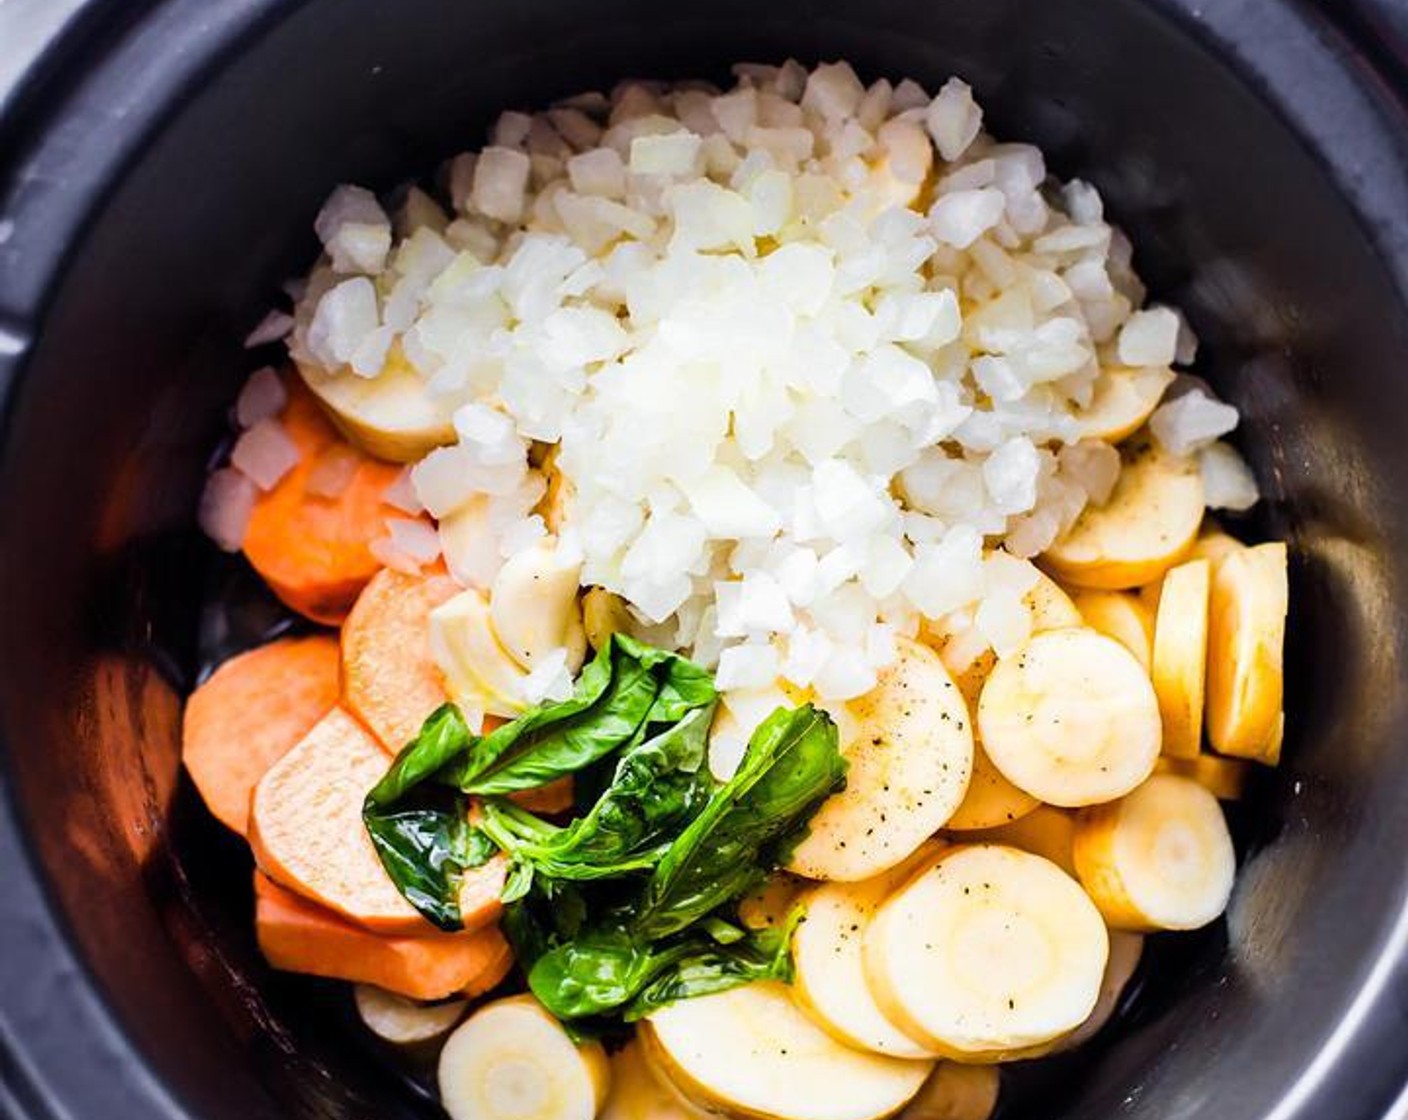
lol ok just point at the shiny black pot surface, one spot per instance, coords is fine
(162, 163)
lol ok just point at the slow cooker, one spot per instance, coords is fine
(160, 164)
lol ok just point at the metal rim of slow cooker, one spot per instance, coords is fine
(1345, 96)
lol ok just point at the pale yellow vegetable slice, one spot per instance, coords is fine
(479, 673)
(1224, 778)
(511, 1060)
(603, 614)
(1214, 546)
(767, 906)
(910, 759)
(991, 799)
(1149, 522)
(639, 1093)
(1123, 400)
(1179, 669)
(956, 1091)
(1051, 607)
(391, 415)
(751, 1051)
(1246, 641)
(1126, 949)
(1119, 615)
(402, 1021)
(990, 952)
(1159, 859)
(1071, 718)
(533, 605)
(830, 983)
(1046, 831)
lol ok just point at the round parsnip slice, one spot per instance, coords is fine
(956, 1091)
(910, 757)
(991, 800)
(402, 1021)
(511, 1060)
(767, 906)
(1120, 615)
(1126, 949)
(751, 1051)
(390, 415)
(638, 1093)
(1071, 718)
(1181, 656)
(1123, 400)
(1224, 778)
(1149, 522)
(990, 952)
(1159, 859)
(1051, 607)
(826, 949)
(1046, 831)
(1247, 635)
(1214, 546)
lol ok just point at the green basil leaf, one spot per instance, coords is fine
(659, 785)
(626, 689)
(791, 765)
(759, 955)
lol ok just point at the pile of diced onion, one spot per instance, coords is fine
(814, 353)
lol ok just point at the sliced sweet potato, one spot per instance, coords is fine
(306, 826)
(250, 713)
(314, 550)
(299, 936)
(389, 678)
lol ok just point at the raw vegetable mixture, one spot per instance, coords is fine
(771, 654)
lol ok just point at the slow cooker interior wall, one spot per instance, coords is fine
(1232, 218)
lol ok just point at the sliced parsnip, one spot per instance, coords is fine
(956, 1091)
(479, 673)
(1149, 522)
(910, 760)
(991, 800)
(1071, 718)
(1120, 615)
(511, 1060)
(1126, 949)
(1159, 859)
(1046, 831)
(533, 605)
(990, 952)
(1247, 635)
(767, 906)
(1123, 400)
(639, 1093)
(391, 415)
(603, 614)
(1051, 607)
(826, 949)
(1214, 546)
(1181, 656)
(751, 1051)
(1224, 778)
(402, 1021)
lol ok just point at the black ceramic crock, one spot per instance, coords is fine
(160, 163)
